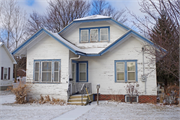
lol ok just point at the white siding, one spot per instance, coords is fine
(101, 69)
(48, 48)
(5, 61)
(73, 34)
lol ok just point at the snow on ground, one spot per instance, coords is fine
(10, 111)
(125, 111)
(105, 111)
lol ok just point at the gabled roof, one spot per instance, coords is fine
(89, 51)
(8, 53)
(95, 18)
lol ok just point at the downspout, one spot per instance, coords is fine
(144, 77)
(70, 71)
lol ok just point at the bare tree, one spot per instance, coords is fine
(13, 21)
(59, 14)
(35, 22)
(166, 36)
(102, 7)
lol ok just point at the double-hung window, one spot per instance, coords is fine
(125, 70)
(82, 72)
(104, 34)
(95, 34)
(5, 73)
(47, 70)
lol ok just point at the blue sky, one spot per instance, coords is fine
(41, 5)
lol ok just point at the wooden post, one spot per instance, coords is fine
(97, 96)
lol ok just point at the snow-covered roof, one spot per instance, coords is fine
(8, 53)
(93, 17)
(83, 51)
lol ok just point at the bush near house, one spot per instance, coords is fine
(21, 93)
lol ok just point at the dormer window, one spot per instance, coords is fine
(95, 34)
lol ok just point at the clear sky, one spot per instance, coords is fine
(41, 5)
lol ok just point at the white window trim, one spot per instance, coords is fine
(87, 35)
(97, 35)
(104, 34)
(83, 72)
(120, 72)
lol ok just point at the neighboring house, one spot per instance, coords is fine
(91, 50)
(6, 67)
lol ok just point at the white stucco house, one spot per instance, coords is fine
(91, 50)
(6, 67)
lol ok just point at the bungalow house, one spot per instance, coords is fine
(6, 67)
(89, 51)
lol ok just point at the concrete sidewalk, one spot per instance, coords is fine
(74, 114)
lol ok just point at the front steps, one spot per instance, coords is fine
(77, 100)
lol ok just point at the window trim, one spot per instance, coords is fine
(89, 29)
(52, 70)
(125, 71)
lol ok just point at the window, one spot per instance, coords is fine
(131, 71)
(56, 71)
(74, 71)
(82, 72)
(47, 71)
(84, 35)
(5, 74)
(120, 71)
(125, 70)
(104, 34)
(95, 34)
(37, 71)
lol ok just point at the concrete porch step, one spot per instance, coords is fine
(77, 99)
(79, 96)
(77, 103)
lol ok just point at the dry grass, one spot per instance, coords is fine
(21, 93)
(46, 99)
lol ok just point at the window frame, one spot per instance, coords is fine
(97, 35)
(125, 71)
(83, 72)
(103, 34)
(4, 73)
(89, 35)
(46, 71)
(52, 61)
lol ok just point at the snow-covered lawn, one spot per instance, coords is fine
(124, 111)
(9, 111)
(105, 111)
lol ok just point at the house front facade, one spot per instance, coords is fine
(6, 67)
(91, 50)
